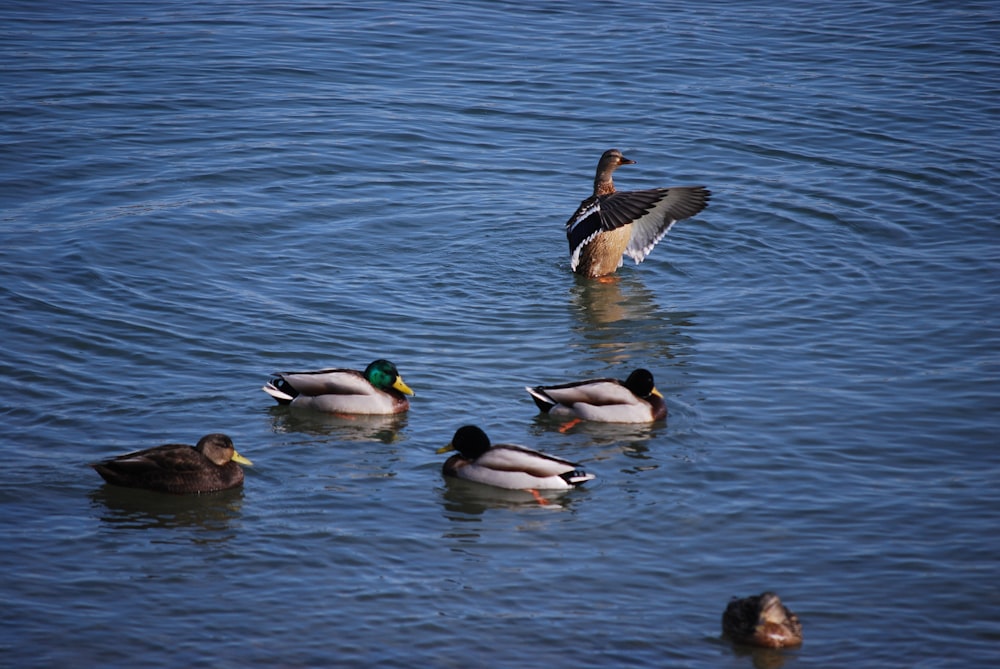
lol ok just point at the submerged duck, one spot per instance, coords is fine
(178, 468)
(610, 224)
(634, 400)
(761, 620)
(379, 390)
(508, 466)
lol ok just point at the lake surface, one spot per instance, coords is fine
(197, 195)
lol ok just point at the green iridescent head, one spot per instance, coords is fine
(383, 375)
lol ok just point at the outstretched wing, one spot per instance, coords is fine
(603, 213)
(674, 204)
(651, 213)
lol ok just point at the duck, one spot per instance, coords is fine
(508, 466)
(761, 620)
(634, 400)
(379, 390)
(610, 224)
(211, 465)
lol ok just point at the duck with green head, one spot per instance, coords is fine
(378, 390)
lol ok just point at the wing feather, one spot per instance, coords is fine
(582, 227)
(651, 213)
(508, 457)
(596, 391)
(328, 382)
(672, 205)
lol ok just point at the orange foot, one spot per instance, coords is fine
(538, 497)
(566, 427)
(607, 278)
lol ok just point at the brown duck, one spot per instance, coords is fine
(178, 468)
(761, 620)
(611, 224)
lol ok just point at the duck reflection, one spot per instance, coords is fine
(462, 499)
(603, 302)
(133, 508)
(617, 314)
(364, 428)
(764, 658)
(628, 437)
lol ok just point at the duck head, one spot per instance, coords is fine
(611, 160)
(383, 375)
(219, 449)
(640, 382)
(470, 441)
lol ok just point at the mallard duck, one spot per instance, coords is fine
(379, 390)
(761, 620)
(178, 468)
(506, 465)
(609, 223)
(634, 400)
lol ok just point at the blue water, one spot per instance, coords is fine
(194, 196)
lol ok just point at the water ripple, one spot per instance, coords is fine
(198, 196)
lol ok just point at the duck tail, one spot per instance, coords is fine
(278, 389)
(542, 401)
(577, 476)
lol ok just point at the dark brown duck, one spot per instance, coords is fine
(761, 620)
(209, 466)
